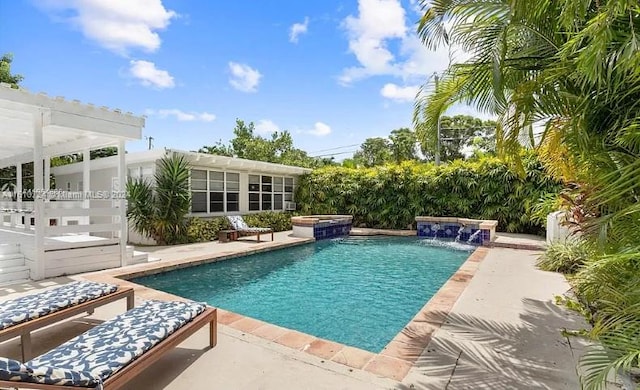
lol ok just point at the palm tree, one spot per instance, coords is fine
(570, 66)
(158, 209)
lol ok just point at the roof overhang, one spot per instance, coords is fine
(212, 160)
(67, 126)
(196, 160)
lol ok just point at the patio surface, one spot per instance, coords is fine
(503, 332)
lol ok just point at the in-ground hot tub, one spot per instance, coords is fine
(471, 231)
(321, 226)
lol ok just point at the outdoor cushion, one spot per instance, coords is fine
(13, 370)
(32, 306)
(112, 345)
(238, 223)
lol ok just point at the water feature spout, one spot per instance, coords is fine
(460, 231)
(435, 229)
(473, 236)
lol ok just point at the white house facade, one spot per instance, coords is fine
(219, 185)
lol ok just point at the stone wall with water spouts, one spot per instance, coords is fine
(472, 231)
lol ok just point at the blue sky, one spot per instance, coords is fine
(332, 72)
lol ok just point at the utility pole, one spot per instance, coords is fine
(438, 129)
(150, 139)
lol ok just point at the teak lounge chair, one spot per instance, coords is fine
(21, 316)
(238, 223)
(109, 355)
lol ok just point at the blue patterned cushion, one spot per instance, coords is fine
(238, 223)
(110, 346)
(12, 370)
(33, 306)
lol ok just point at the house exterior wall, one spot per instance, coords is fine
(276, 184)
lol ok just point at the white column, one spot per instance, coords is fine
(122, 202)
(86, 180)
(38, 201)
(47, 174)
(15, 219)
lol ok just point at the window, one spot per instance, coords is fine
(80, 184)
(269, 192)
(233, 191)
(214, 191)
(266, 184)
(254, 183)
(277, 202)
(254, 202)
(288, 189)
(198, 191)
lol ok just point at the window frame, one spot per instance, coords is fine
(208, 191)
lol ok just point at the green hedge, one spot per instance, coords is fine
(206, 229)
(391, 196)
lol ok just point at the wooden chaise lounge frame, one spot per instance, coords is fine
(24, 329)
(124, 375)
(247, 233)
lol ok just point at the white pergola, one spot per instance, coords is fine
(35, 128)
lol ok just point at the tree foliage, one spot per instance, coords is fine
(373, 151)
(462, 136)
(5, 71)
(278, 148)
(570, 67)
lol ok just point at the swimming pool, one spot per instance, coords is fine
(356, 291)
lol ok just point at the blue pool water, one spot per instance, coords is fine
(355, 291)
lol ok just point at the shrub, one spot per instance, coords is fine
(201, 230)
(392, 196)
(567, 257)
(277, 221)
(207, 229)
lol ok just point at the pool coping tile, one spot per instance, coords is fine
(269, 331)
(388, 367)
(353, 357)
(247, 324)
(394, 361)
(296, 340)
(324, 348)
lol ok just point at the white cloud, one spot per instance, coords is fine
(243, 77)
(298, 29)
(118, 25)
(379, 24)
(266, 126)
(182, 116)
(320, 129)
(398, 93)
(150, 76)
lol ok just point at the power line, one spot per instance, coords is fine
(336, 148)
(334, 154)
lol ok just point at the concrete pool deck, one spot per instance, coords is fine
(503, 331)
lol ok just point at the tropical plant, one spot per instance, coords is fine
(391, 196)
(571, 68)
(158, 209)
(565, 257)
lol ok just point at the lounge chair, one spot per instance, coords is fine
(112, 353)
(21, 316)
(238, 223)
